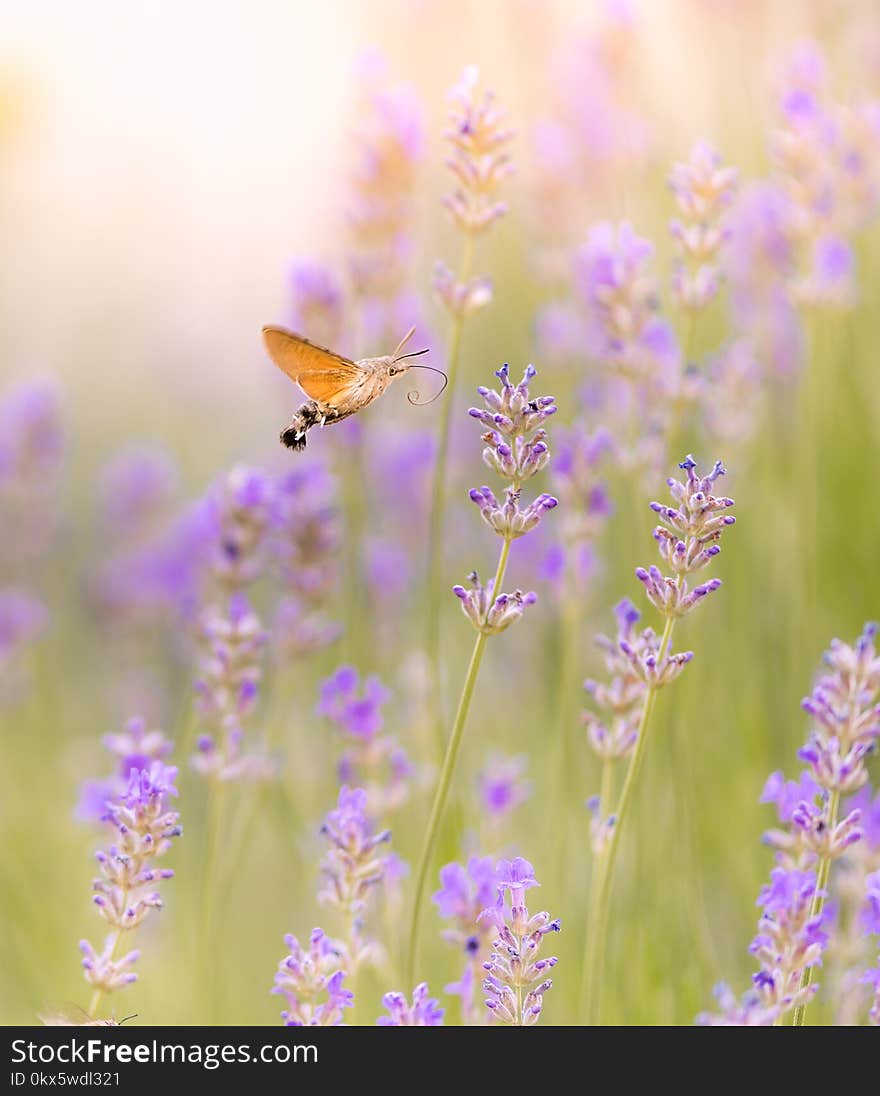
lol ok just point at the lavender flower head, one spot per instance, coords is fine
(23, 618)
(311, 981)
(515, 978)
(687, 540)
(846, 714)
(424, 1011)
(126, 891)
(624, 328)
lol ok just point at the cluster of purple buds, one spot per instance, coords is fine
(516, 449)
(791, 939)
(515, 978)
(372, 759)
(516, 445)
(809, 832)
(126, 891)
(703, 189)
(732, 393)
(353, 866)
(311, 981)
(687, 540)
(846, 714)
(491, 615)
(480, 161)
(425, 1011)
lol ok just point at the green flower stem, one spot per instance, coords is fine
(438, 499)
(600, 892)
(822, 874)
(206, 950)
(445, 780)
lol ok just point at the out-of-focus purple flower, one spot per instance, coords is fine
(760, 261)
(311, 981)
(136, 490)
(317, 304)
(465, 891)
(480, 160)
(230, 668)
(31, 436)
(503, 786)
(703, 189)
(870, 911)
(352, 866)
(424, 1011)
(243, 506)
(126, 890)
(624, 329)
(515, 978)
(460, 299)
(22, 618)
(732, 396)
(355, 709)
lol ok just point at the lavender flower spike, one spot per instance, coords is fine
(127, 890)
(515, 979)
(424, 1011)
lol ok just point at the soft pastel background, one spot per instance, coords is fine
(161, 165)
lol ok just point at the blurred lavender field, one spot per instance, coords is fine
(283, 690)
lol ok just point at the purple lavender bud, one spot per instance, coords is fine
(425, 1011)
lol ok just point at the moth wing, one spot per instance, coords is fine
(325, 377)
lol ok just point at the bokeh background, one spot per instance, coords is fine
(163, 166)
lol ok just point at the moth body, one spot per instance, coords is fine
(335, 386)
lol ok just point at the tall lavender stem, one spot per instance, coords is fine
(479, 164)
(442, 791)
(516, 449)
(687, 541)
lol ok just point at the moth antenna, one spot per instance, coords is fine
(403, 342)
(414, 398)
(125, 1019)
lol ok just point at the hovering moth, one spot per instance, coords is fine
(335, 386)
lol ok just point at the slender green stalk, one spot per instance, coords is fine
(445, 780)
(438, 496)
(600, 892)
(205, 944)
(822, 874)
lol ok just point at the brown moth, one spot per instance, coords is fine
(336, 387)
